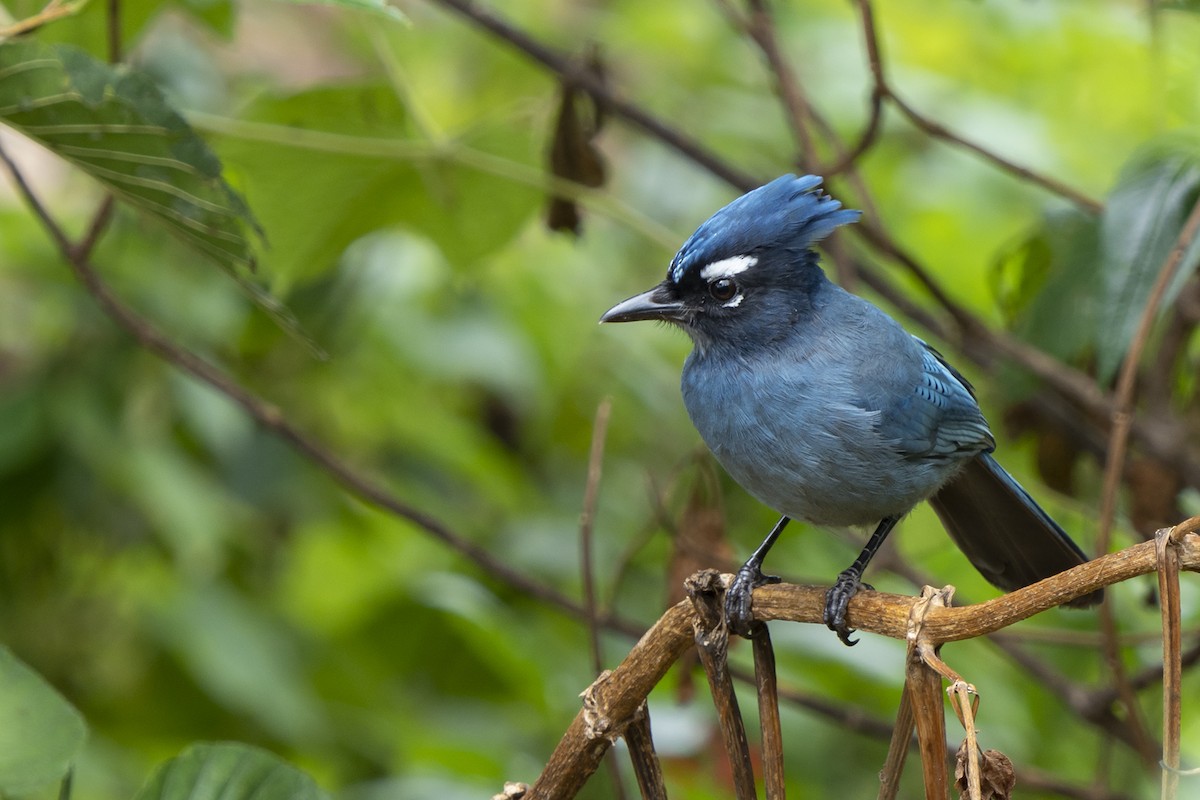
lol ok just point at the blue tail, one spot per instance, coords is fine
(1002, 531)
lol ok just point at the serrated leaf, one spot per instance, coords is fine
(1141, 223)
(229, 771)
(40, 732)
(114, 124)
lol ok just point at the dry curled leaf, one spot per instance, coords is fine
(997, 778)
(573, 152)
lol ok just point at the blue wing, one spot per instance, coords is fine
(940, 418)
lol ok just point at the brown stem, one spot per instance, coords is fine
(707, 594)
(768, 714)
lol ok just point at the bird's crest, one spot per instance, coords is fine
(789, 212)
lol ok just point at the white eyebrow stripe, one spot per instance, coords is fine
(728, 267)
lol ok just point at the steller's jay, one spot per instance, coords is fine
(821, 406)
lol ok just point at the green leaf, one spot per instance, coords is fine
(115, 125)
(1060, 259)
(229, 771)
(40, 732)
(243, 658)
(1141, 223)
(353, 151)
(218, 15)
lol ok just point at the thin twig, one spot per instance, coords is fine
(95, 230)
(587, 520)
(939, 131)
(1122, 419)
(878, 92)
(1133, 722)
(965, 703)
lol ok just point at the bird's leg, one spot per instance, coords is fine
(738, 615)
(837, 599)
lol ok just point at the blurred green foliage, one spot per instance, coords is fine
(180, 575)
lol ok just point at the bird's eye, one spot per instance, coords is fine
(722, 289)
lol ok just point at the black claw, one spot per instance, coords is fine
(837, 601)
(738, 613)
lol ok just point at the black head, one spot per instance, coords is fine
(747, 271)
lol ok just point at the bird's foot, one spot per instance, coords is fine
(738, 615)
(837, 602)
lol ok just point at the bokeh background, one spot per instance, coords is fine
(180, 573)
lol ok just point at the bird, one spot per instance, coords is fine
(825, 409)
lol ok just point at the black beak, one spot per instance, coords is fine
(658, 303)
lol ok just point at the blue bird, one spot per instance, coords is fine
(822, 407)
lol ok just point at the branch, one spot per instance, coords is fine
(887, 614)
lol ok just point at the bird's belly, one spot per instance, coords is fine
(810, 456)
(847, 489)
